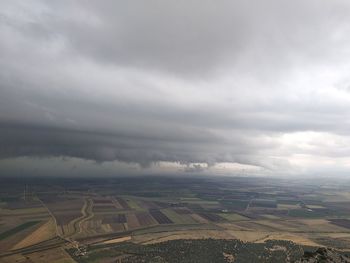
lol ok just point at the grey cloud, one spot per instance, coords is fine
(189, 82)
(186, 37)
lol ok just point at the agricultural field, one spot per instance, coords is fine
(38, 216)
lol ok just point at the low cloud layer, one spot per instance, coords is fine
(192, 83)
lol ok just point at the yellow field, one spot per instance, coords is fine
(44, 232)
(174, 235)
(199, 219)
(315, 206)
(117, 240)
(287, 206)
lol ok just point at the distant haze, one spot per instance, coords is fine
(141, 87)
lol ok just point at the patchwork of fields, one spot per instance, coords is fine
(60, 215)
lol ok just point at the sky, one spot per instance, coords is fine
(175, 87)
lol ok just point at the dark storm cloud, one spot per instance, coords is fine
(29, 140)
(251, 82)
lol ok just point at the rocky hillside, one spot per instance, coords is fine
(324, 255)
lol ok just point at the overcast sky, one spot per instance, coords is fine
(124, 87)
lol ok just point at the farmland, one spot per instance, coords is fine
(160, 217)
(58, 215)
